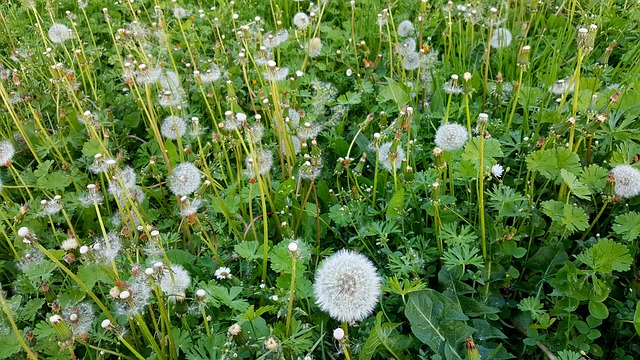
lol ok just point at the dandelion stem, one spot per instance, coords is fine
(292, 290)
(14, 327)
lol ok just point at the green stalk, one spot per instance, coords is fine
(292, 290)
(16, 331)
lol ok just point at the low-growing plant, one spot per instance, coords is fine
(299, 180)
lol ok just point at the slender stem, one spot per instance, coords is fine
(14, 327)
(292, 291)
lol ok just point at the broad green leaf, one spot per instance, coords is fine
(577, 188)
(438, 322)
(181, 257)
(382, 338)
(627, 226)
(607, 256)
(394, 92)
(598, 310)
(550, 162)
(569, 218)
(340, 215)
(91, 273)
(396, 204)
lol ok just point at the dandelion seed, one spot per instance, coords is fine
(138, 299)
(223, 273)
(451, 137)
(627, 181)
(185, 179)
(105, 250)
(315, 47)
(6, 152)
(347, 286)
(301, 20)
(255, 133)
(385, 156)
(147, 76)
(173, 127)
(59, 33)
(234, 329)
(50, 207)
(271, 344)
(93, 196)
(497, 170)
(310, 170)
(407, 47)
(69, 244)
(405, 28)
(210, 75)
(411, 61)
(275, 73)
(452, 86)
(501, 38)
(562, 86)
(180, 13)
(309, 131)
(79, 318)
(174, 282)
(188, 207)
(259, 163)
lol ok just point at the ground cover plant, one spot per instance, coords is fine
(294, 180)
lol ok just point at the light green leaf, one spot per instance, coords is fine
(607, 256)
(395, 92)
(248, 250)
(636, 318)
(577, 188)
(492, 150)
(627, 226)
(594, 177)
(396, 204)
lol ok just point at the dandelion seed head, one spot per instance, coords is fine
(501, 38)
(451, 137)
(259, 163)
(138, 299)
(411, 61)
(407, 47)
(79, 318)
(347, 286)
(405, 28)
(6, 152)
(301, 20)
(310, 170)
(315, 47)
(385, 157)
(59, 33)
(69, 244)
(562, 86)
(173, 127)
(627, 181)
(185, 179)
(189, 207)
(174, 282)
(180, 13)
(210, 75)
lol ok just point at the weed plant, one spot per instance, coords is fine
(283, 179)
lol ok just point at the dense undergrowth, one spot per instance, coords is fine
(179, 179)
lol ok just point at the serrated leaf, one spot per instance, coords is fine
(577, 188)
(627, 226)
(492, 150)
(30, 309)
(9, 345)
(607, 256)
(568, 217)
(339, 214)
(57, 180)
(90, 274)
(542, 162)
(181, 257)
(594, 177)
(248, 250)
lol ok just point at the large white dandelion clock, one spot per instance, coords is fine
(347, 286)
